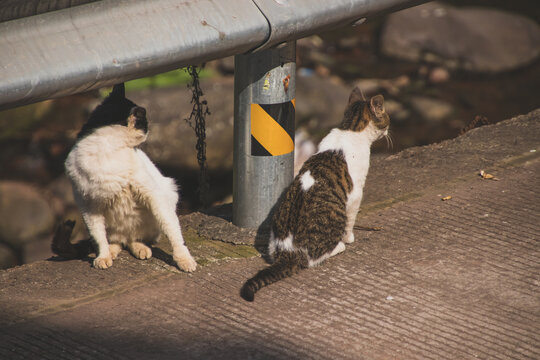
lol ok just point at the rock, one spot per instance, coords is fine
(219, 229)
(171, 141)
(423, 71)
(476, 39)
(24, 213)
(348, 43)
(439, 75)
(310, 42)
(322, 71)
(369, 87)
(432, 110)
(312, 51)
(7, 257)
(396, 110)
(60, 194)
(372, 87)
(320, 104)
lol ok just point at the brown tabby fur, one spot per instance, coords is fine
(317, 218)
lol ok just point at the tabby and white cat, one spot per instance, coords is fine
(124, 200)
(316, 214)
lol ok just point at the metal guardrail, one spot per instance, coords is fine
(101, 43)
(104, 42)
(295, 19)
(110, 41)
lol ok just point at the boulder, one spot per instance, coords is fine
(8, 258)
(476, 39)
(439, 75)
(432, 110)
(24, 213)
(396, 110)
(371, 87)
(320, 103)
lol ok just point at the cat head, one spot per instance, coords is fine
(117, 110)
(362, 114)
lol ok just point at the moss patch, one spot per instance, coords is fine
(206, 251)
(167, 79)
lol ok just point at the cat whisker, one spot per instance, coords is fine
(389, 141)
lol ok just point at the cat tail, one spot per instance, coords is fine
(286, 264)
(61, 245)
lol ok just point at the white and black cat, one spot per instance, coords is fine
(124, 200)
(315, 216)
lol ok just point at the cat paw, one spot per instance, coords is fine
(140, 251)
(185, 263)
(348, 238)
(103, 262)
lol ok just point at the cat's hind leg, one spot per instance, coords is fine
(340, 247)
(115, 249)
(139, 250)
(353, 204)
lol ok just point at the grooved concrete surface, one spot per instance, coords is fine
(455, 279)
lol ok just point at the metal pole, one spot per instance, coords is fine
(264, 104)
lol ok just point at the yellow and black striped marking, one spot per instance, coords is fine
(272, 128)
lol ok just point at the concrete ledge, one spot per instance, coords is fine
(443, 279)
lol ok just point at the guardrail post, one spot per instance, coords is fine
(264, 107)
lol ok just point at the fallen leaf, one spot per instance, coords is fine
(446, 198)
(487, 176)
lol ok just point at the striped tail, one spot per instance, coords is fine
(286, 264)
(61, 245)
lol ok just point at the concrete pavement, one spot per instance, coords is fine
(454, 279)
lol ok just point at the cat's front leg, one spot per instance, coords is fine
(181, 254)
(96, 228)
(353, 205)
(159, 194)
(183, 259)
(166, 217)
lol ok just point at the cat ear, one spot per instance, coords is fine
(356, 95)
(377, 105)
(118, 91)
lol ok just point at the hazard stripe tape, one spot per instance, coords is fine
(272, 128)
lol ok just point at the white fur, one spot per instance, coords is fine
(340, 247)
(280, 244)
(285, 244)
(122, 195)
(356, 149)
(307, 180)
